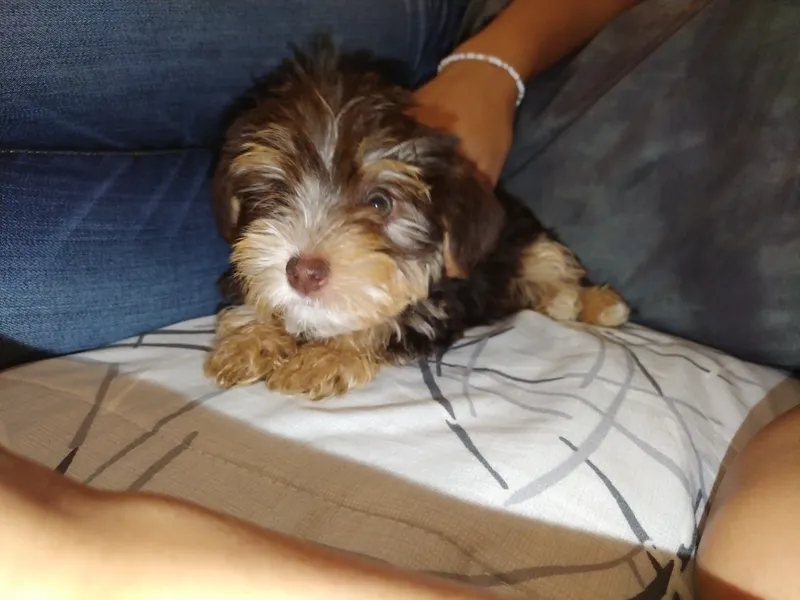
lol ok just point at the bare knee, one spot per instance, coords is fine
(749, 546)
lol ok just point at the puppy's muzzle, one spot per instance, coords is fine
(307, 274)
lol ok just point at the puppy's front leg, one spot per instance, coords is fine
(330, 367)
(246, 348)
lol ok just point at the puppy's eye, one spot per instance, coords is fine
(381, 203)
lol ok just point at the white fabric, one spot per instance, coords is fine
(542, 461)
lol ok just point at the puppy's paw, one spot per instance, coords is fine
(246, 349)
(320, 371)
(601, 305)
(230, 367)
(564, 305)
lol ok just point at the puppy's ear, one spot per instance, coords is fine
(472, 218)
(227, 206)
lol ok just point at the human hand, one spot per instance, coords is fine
(476, 101)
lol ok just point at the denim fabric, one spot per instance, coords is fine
(109, 114)
(667, 154)
(102, 247)
(116, 74)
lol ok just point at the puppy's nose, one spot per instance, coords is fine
(307, 274)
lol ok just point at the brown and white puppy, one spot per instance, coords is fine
(362, 238)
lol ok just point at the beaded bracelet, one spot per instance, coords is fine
(492, 60)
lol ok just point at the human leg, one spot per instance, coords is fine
(665, 154)
(109, 119)
(62, 539)
(99, 247)
(749, 544)
(117, 76)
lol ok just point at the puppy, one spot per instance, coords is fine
(362, 238)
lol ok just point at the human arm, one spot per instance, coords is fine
(477, 101)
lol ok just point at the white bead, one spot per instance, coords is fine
(491, 60)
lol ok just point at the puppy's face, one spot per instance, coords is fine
(341, 208)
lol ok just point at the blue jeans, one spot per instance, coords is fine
(665, 153)
(109, 115)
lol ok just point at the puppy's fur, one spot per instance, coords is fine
(416, 248)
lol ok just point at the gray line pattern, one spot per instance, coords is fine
(644, 371)
(624, 507)
(589, 445)
(518, 576)
(65, 463)
(162, 462)
(500, 373)
(632, 566)
(436, 393)
(473, 359)
(658, 588)
(83, 430)
(685, 553)
(678, 401)
(688, 432)
(470, 445)
(491, 335)
(143, 438)
(648, 449)
(710, 355)
(584, 383)
(433, 387)
(553, 412)
(617, 367)
(594, 371)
